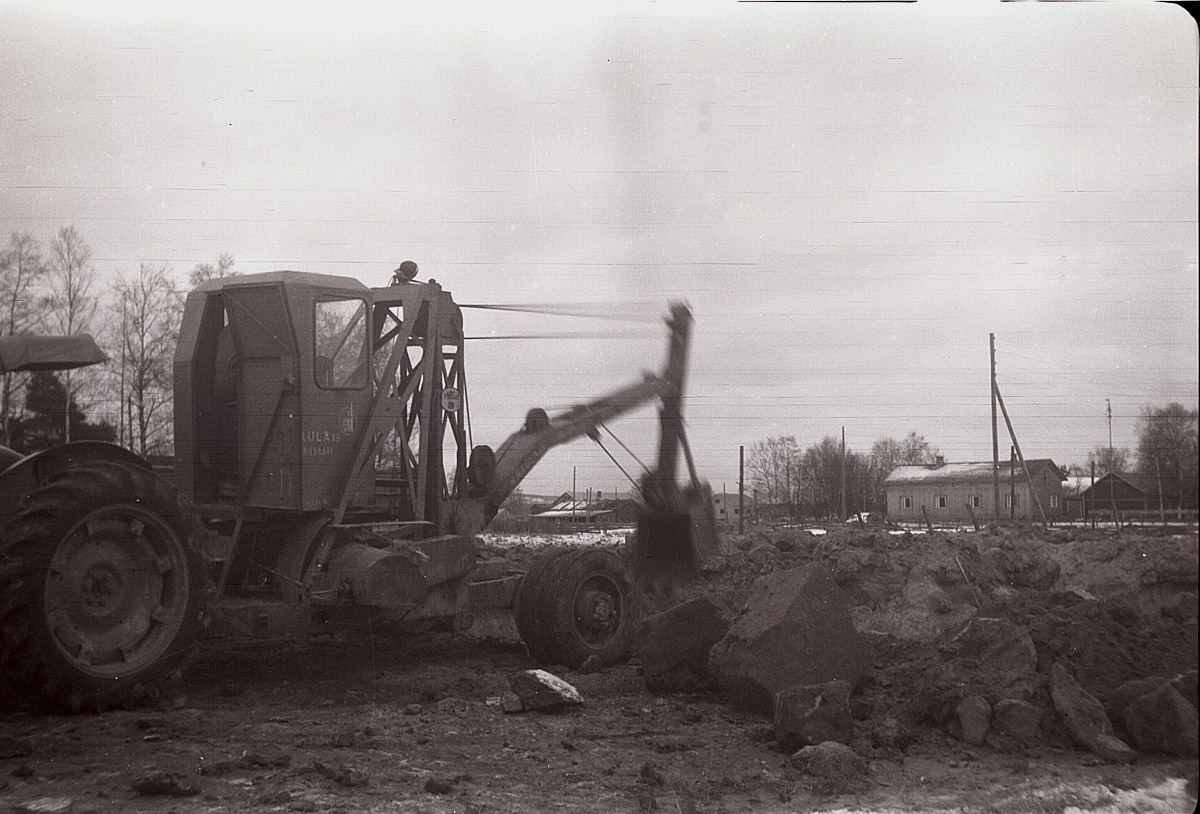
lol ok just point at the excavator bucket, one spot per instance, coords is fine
(676, 534)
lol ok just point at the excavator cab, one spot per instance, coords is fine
(313, 393)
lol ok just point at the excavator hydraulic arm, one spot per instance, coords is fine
(676, 527)
(542, 432)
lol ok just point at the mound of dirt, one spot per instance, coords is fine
(1107, 607)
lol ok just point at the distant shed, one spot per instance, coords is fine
(1135, 493)
(952, 492)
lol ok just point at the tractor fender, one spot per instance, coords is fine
(28, 473)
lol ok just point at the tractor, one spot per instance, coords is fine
(323, 480)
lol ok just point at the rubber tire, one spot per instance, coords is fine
(547, 611)
(60, 519)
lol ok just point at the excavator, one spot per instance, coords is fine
(323, 479)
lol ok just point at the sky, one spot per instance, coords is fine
(850, 197)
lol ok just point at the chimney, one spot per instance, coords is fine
(940, 460)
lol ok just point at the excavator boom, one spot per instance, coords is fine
(677, 530)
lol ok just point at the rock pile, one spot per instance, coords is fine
(1003, 640)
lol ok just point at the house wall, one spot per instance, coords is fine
(725, 508)
(1114, 493)
(956, 496)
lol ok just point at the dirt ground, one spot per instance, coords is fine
(378, 722)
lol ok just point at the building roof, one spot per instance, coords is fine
(1146, 484)
(48, 352)
(968, 471)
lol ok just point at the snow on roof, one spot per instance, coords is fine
(968, 471)
(1077, 483)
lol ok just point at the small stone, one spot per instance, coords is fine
(812, 714)
(539, 689)
(276, 798)
(511, 703)
(267, 757)
(650, 775)
(438, 785)
(830, 761)
(890, 735)
(1002, 743)
(344, 739)
(342, 775)
(412, 709)
(22, 770)
(44, 805)
(164, 784)
(14, 747)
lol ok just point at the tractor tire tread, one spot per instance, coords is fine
(25, 550)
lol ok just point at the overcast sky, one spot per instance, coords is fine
(851, 197)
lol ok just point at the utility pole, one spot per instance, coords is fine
(844, 515)
(121, 390)
(1108, 412)
(741, 489)
(787, 487)
(573, 496)
(1016, 445)
(1012, 483)
(995, 436)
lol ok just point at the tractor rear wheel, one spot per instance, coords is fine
(101, 587)
(576, 607)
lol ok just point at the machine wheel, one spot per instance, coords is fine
(576, 607)
(101, 587)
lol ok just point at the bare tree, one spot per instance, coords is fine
(889, 453)
(21, 267)
(774, 466)
(70, 303)
(823, 479)
(150, 309)
(1109, 459)
(1168, 451)
(202, 272)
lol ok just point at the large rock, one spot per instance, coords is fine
(974, 716)
(673, 645)
(812, 714)
(1085, 718)
(796, 631)
(1124, 695)
(1018, 719)
(1185, 685)
(994, 655)
(1162, 721)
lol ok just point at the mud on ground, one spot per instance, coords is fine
(382, 722)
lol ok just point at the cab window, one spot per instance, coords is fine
(340, 342)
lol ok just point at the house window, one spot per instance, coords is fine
(940, 502)
(1012, 501)
(975, 502)
(1053, 501)
(906, 502)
